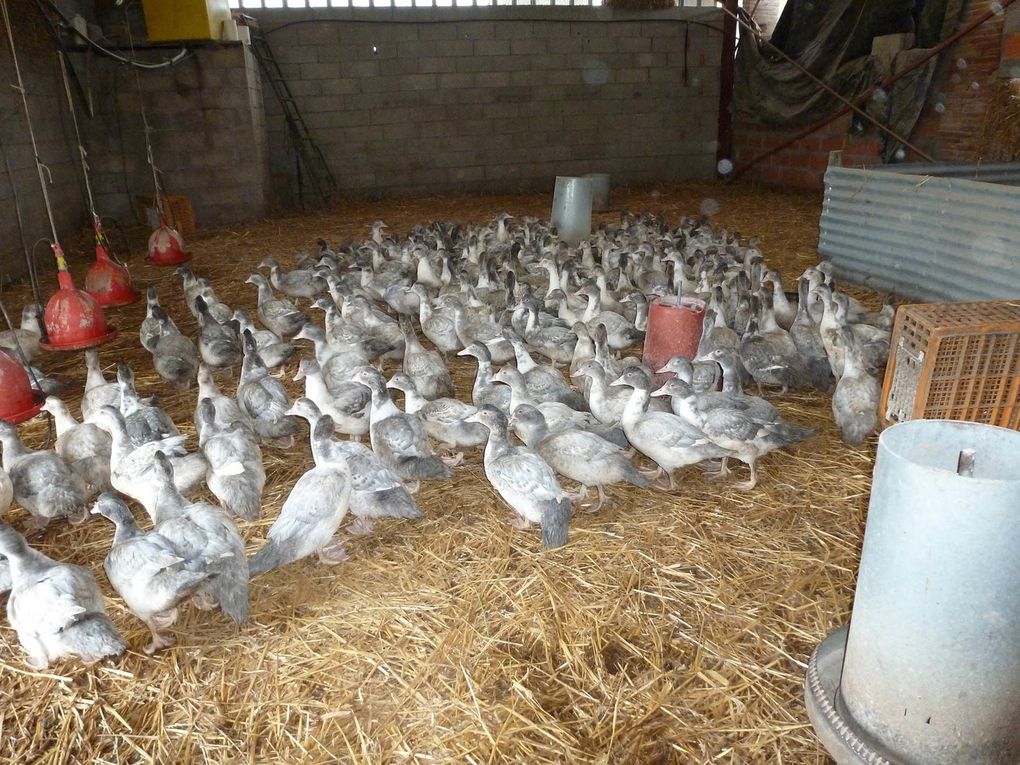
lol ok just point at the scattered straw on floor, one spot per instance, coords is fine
(672, 629)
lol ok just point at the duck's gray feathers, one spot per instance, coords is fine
(175, 359)
(308, 520)
(57, 609)
(149, 573)
(265, 401)
(235, 474)
(588, 459)
(201, 531)
(528, 484)
(376, 491)
(402, 443)
(45, 486)
(86, 450)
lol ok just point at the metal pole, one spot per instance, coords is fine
(724, 146)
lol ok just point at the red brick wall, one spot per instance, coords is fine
(950, 128)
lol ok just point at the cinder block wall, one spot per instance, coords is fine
(208, 134)
(54, 136)
(411, 101)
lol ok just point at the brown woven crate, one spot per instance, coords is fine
(955, 361)
(178, 210)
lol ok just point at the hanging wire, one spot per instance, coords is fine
(145, 125)
(97, 224)
(40, 167)
(176, 59)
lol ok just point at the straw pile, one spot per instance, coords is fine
(1001, 141)
(672, 629)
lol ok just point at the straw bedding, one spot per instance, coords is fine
(672, 629)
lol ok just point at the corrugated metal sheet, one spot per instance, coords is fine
(920, 236)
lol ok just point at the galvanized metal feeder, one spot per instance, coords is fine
(928, 672)
(571, 208)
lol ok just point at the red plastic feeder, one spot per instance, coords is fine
(109, 282)
(166, 246)
(74, 320)
(674, 327)
(18, 402)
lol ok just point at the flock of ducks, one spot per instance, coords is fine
(554, 395)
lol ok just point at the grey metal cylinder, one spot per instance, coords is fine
(571, 209)
(932, 666)
(599, 191)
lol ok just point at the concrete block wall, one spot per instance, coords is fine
(420, 102)
(208, 135)
(55, 139)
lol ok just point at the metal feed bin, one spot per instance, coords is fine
(571, 208)
(929, 670)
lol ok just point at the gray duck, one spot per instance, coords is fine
(148, 572)
(56, 608)
(44, 485)
(525, 481)
(312, 512)
(576, 454)
(264, 399)
(377, 492)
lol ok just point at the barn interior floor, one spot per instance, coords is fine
(673, 627)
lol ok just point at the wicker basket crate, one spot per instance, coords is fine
(177, 209)
(955, 361)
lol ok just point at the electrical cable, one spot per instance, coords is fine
(176, 59)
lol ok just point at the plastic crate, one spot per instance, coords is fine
(178, 210)
(955, 361)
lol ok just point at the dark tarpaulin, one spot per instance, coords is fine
(833, 40)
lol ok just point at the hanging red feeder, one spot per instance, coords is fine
(18, 402)
(109, 282)
(74, 320)
(166, 246)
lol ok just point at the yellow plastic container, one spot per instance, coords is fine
(173, 20)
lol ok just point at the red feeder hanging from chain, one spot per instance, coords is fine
(166, 245)
(18, 402)
(74, 319)
(108, 281)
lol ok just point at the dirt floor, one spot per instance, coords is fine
(674, 628)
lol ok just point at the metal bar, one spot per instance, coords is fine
(724, 130)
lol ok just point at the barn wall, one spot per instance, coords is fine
(950, 128)
(497, 99)
(208, 134)
(54, 134)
